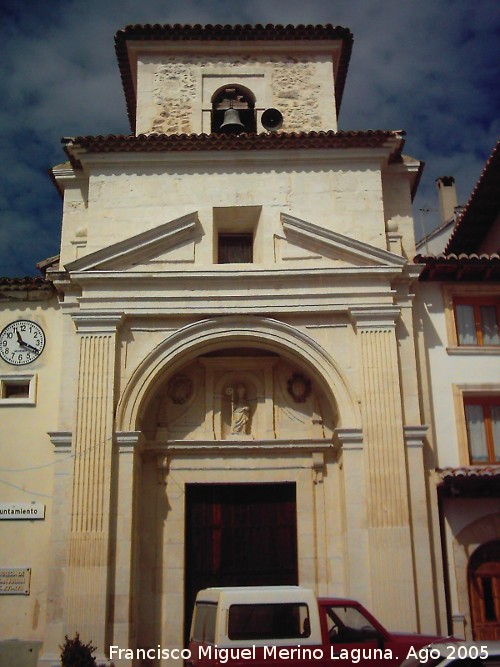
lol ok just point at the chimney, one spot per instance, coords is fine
(447, 194)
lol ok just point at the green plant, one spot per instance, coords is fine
(74, 653)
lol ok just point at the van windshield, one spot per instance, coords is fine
(204, 623)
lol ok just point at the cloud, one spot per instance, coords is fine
(430, 67)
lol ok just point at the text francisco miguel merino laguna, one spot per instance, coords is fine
(224, 655)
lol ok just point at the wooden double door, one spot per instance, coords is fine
(239, 535)
(484, 589)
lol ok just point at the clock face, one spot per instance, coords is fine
(21, 342)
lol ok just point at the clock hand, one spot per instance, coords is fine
(30, 347)
(19, 339)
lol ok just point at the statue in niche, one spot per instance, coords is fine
(240, 409)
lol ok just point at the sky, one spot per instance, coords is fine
(429, 67)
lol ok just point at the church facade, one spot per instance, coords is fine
(229, 391)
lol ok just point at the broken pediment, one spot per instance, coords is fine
(304, 240)
(150, 250)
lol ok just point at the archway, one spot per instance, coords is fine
(297, 398)
(484, 591)
(238, 98)
(229, 332)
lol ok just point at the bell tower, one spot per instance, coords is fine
(185, 80)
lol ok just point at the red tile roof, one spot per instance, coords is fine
(470, 482)
(469, 471)
(462, 267)
(25, 289)
(228, 33)
(481, 210)
(460, 259)
(153, 143)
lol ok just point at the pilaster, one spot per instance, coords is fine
(320, 519)
(87, 592)
(388, 519)
(423, 556)
(58, 559)
(357, 564)
(129, 446)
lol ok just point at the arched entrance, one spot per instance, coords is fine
(238, 417)
(484, 591)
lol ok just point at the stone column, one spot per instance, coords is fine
(124, 635)
(388, 520)
(87, 589)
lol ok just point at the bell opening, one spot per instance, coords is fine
(233, 111)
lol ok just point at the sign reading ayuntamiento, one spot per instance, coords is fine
(22, 511)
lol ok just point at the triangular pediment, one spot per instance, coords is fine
(306, 240)
(171, 242)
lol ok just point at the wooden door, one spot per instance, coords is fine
(484, 589)
(239, 535)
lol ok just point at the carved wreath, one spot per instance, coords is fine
(180, 389)
(299, 387)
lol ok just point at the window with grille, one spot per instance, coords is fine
(477, 321)
(482, 415)
(235, 248)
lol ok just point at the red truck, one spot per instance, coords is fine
(278, 625)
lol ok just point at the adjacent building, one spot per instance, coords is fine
(460, 299)
(229, 388)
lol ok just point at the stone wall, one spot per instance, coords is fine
(173, 93)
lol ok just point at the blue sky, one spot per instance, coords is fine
(430, 67)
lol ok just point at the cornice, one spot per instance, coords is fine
(348, 439)
(61, 441)
(129, 442)
(375, 317)
(248, 447)
(259, 292)
(414, 435)
(224, 275)
(97, 322)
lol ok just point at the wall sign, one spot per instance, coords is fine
(22, 511)
(15, 581)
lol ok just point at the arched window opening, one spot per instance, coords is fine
(484, 590)
(233, 110)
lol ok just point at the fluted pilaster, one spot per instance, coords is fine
(388, 520)
(87, 586)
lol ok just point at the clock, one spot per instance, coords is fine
(21, 342)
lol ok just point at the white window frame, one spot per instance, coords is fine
(23, 378)
(460, 394)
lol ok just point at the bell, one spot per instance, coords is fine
(232, 123)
